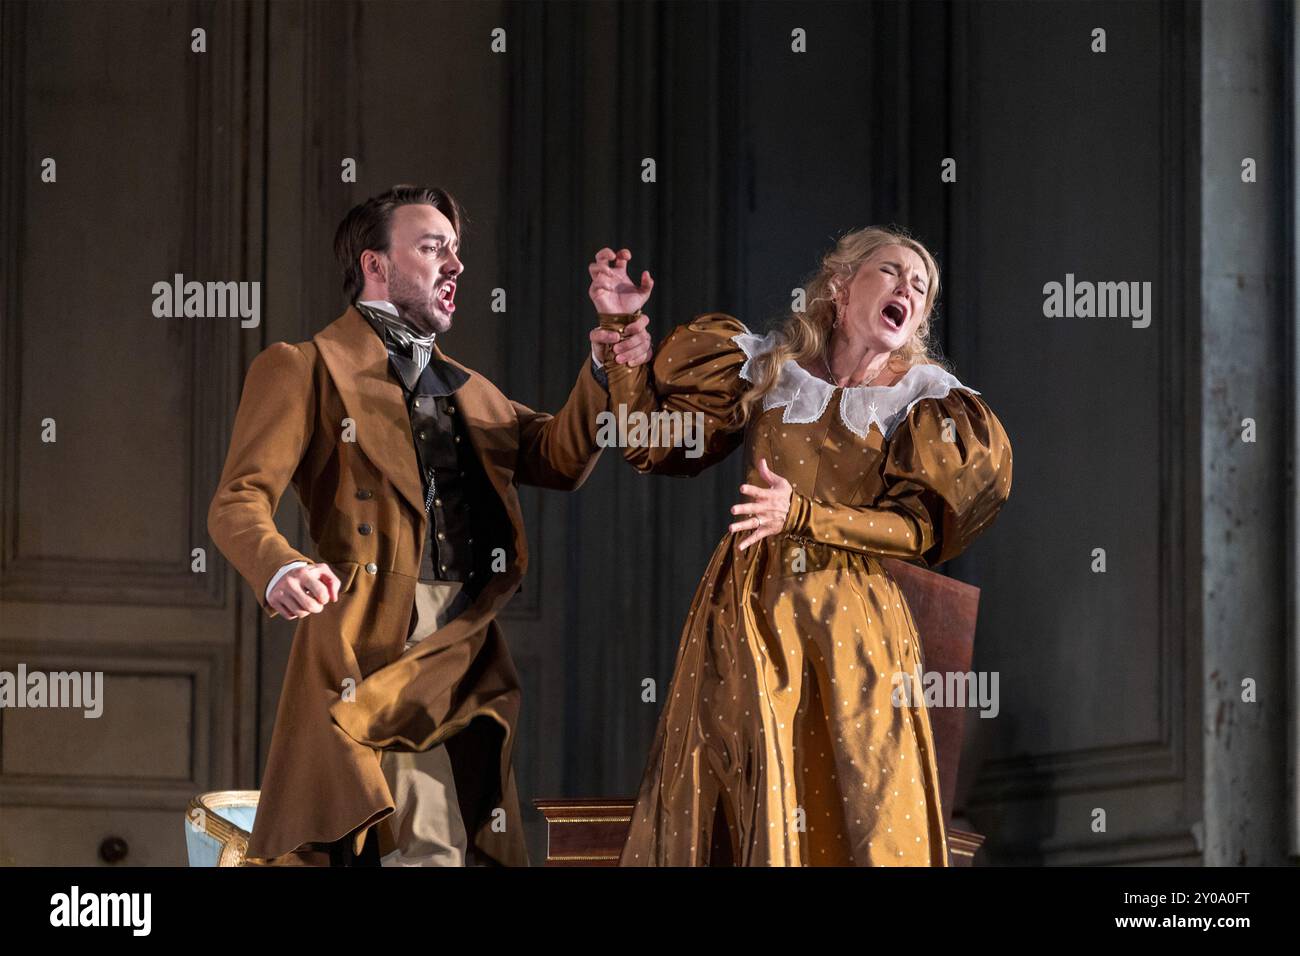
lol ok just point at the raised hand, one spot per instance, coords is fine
(770, 506)
(304, 591)
(612, 292)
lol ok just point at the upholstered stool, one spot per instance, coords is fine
(218, 825)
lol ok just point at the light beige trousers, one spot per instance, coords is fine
(426, 825)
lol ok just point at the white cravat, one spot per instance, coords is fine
(404, 335)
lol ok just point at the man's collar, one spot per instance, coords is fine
(383, 305)
(438, 377)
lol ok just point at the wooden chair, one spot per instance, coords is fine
(591, 831)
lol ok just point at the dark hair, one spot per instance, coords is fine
(369, 226)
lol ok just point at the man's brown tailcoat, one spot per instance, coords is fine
(328, 417)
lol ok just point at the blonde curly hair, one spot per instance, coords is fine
(805, 335)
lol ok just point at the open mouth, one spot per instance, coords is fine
(447, 296)
(894, 315)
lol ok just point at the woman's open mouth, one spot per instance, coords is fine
(447, 296)
(894, 315)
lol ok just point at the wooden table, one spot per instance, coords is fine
(590, 831)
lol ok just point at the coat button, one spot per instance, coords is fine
(365, 528)
(441, 536)
(417, 403)
(422, 436)
(364, 494)
(457, 438)
(372, 568)
(437, 502)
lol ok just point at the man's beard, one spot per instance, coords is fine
(413, 308)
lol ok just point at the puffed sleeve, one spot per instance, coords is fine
(674, 415)
(942, 485)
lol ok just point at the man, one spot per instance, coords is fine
(397, 717)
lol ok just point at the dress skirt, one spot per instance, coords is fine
(781, 721)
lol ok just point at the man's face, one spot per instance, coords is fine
(422, 266)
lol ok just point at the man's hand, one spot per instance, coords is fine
(632, 348)
(770, 507)
(304, 591)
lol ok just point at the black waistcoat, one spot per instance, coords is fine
(469, 533)
(452, 479)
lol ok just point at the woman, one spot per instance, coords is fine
(784, 740)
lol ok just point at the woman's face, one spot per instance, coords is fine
(886, 298)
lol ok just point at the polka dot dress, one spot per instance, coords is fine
(785, 739)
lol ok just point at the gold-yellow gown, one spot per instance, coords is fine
(779, 719)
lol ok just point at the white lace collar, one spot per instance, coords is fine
(805, 396)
